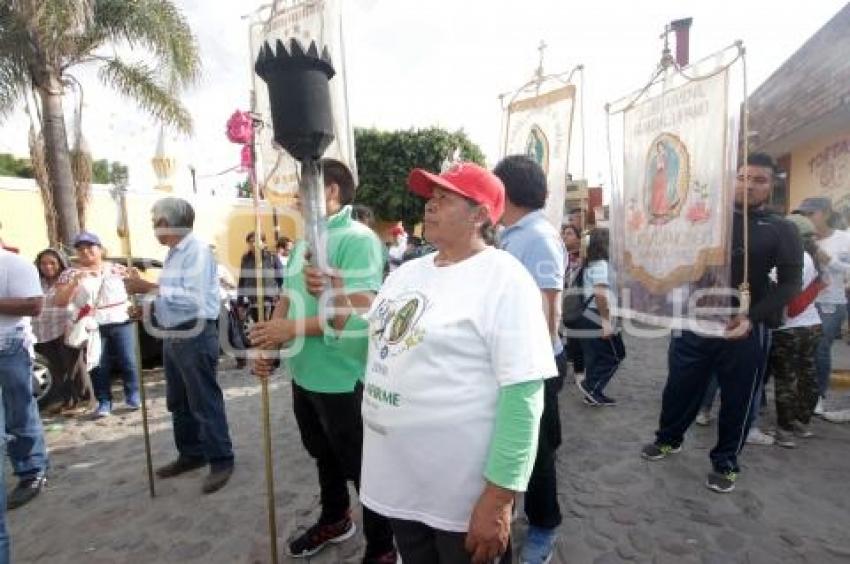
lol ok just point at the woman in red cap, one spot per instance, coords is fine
(458, 350)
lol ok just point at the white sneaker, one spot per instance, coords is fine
(819, 410)
(802, 430)
(703, 417)
(756, 437)
(579, 376)
(839, 416)
(784, 439)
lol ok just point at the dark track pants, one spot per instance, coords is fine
(739, 366)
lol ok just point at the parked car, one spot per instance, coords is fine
(42, 380)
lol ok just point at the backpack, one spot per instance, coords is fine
(574, 303)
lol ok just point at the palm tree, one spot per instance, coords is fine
(41, 41)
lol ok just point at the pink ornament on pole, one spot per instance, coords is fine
(240, 127)
(247, 160)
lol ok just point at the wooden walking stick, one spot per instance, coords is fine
(264, 382)
(124, 234)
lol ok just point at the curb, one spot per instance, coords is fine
(840, 379)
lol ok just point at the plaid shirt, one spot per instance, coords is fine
(53, 321)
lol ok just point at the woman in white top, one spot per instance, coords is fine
(71, 385)
(602, 345)
(458, 350)
(792, 354)
(99, 284)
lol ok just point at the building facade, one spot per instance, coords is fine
(801, 116)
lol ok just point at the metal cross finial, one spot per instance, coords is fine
(542, 47)
(666, 55)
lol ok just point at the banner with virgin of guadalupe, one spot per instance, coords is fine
(672, 206)
(540, 128)
(307, 20)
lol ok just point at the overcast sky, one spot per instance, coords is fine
(442, 62)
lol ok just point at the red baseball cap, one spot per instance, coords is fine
(467, 179)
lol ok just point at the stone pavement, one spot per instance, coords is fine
(790, 505)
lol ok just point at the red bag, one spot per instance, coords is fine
(804, 299)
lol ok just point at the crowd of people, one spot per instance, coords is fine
(433, 388)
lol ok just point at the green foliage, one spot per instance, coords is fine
(11, 166)
(385, 158)
(100, 171)
(115, 173)
(243, 189)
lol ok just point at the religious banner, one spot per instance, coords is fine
(672, 208)
(308, 20)
(540, 127)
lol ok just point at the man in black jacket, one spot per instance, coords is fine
(737, 358)
(271, 276)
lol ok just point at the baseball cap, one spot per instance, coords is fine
(467, 179)
(810, 205)
(86, 238)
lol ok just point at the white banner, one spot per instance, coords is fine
(540, 127)
(672, 210)
(310, 20)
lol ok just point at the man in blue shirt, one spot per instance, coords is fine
(537, 245)
(186, 305)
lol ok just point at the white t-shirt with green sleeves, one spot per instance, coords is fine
(443, 341)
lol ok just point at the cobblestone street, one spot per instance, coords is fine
(790, 505)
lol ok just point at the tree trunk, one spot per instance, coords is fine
(58, 160)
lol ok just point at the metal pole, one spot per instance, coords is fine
(312, 196)
(138, 351)
(261, 316)
(264, 382)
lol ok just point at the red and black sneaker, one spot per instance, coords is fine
(320, 535)
(389, 557)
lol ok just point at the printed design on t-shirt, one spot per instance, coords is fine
(395, 321)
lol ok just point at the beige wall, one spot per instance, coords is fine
(821, 168)
(221, 221)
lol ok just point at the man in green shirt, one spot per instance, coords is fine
(327, 360)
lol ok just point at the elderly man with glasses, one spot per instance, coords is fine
(186, 306)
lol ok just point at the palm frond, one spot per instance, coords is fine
(13, 64)
(158, 26)
(13, 81)
(138, 82)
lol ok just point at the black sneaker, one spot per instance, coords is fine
(655, 451)
(605, 401)
(589, 397)
(721, 482)
(320, 535)
(26, 490)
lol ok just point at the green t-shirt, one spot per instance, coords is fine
(334, 364)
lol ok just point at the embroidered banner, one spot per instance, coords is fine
(671, 212)
(540, 127)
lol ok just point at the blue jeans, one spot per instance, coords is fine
(4, 534)
(194, 397)
(26, 448)
(118, 352)
(831, 322)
